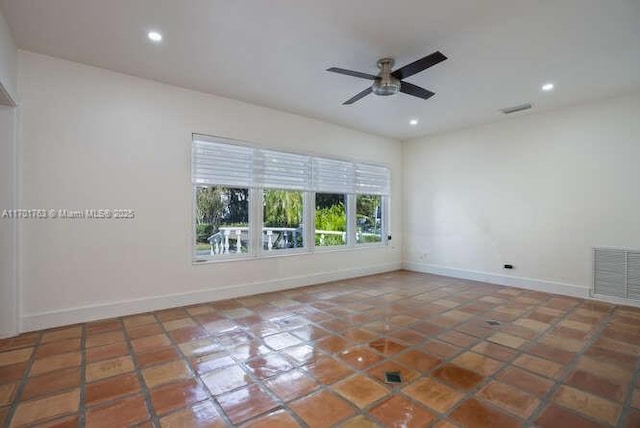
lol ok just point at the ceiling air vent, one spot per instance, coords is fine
(516, 109)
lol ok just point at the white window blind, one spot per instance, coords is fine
(216, 162)
(372, 179)
(221, 164)
(330, 175)
(282, 170)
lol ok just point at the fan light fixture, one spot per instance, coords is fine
(386, 84)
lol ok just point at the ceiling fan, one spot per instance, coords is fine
(389, 82)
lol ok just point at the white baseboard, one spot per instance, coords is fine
(511, 281)
(616, 300)
(31, 322)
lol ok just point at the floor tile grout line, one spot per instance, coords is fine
(297, 366)
(82, 421)
(213, 397)
(13, 407)
(241, 364)
(404, 296)
(415, 347)
(111, 400)
(196, 375)
(627, 407)
(138, 371)
(520, 351)
(364, 371)
(545, 400)
(255, 380)
(444, 361)
(469, 349)
(486, 379)
(414, 293)
(282, 403)
(453, 327)
(570, 366)
(477, 388)
(81, 367)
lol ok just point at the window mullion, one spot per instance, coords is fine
(194, 221)
(255, 222)
(386, 218)
(310, 220)
(351, 220)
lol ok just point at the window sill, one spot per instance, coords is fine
(291, 253)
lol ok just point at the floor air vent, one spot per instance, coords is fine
(392, 377)
(616, 273)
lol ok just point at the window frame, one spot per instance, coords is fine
(256, 215)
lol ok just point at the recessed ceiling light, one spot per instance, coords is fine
(547, 87)
(154, 36)
(413, 122)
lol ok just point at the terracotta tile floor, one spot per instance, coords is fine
(316, 356)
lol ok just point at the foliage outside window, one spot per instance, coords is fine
(368, 218)
(222, 220)
(331, 219)
(283, 215)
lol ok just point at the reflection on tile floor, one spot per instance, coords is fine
(316, 356)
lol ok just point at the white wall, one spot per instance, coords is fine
(92, 138)
(8, 96)
(539, 192)
(8, 65)
(8, 304)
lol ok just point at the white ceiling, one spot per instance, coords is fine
(274, 52)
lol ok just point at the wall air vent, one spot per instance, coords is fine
(616, 273)
(516, 109)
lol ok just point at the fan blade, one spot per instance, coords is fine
(416, 91)
(419, 65)
(357, 97)
(352, 73)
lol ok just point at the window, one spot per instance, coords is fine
(222, 220)
(250, 202)
(283, 219)
(368, 219)
(331, 219)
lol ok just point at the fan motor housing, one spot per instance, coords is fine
(386, 84)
